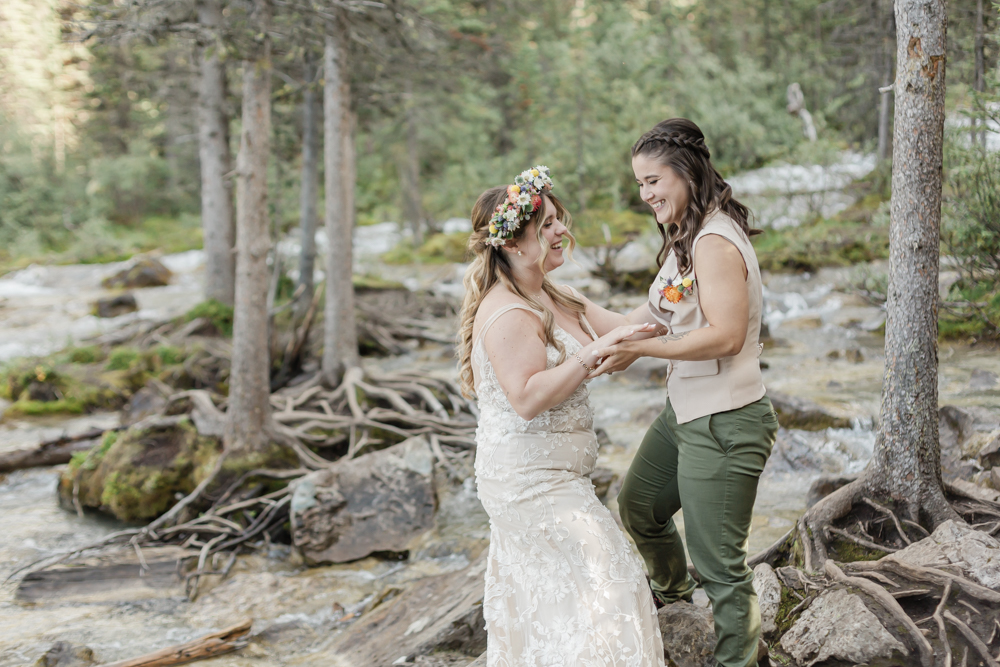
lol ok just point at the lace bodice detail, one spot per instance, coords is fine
(498, 416)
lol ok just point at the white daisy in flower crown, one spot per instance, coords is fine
(523, 198)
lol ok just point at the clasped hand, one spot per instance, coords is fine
(609, 353)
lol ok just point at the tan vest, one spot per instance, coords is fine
(699, 388)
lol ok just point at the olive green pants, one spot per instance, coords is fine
(708, 467)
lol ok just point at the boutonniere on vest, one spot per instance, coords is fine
(675, 292)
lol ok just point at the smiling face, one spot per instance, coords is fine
(551, 236)
(661, 188)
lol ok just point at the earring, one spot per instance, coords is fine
(519, 253)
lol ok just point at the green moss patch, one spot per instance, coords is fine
(822, 243)
(216, 312)
(436, 249)
(137, 475)
(82, 379)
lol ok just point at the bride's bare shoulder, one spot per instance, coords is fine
(497, 298)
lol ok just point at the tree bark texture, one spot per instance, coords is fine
(213, 150)
(310, 186)
(340, 339)
(907, 463)
(249, 387)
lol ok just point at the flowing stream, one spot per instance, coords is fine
(824, 347)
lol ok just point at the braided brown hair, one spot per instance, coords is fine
(679, 144)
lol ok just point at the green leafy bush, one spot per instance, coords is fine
(971, 235)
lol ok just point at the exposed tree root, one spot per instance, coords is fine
(851, 525)
(226, 512)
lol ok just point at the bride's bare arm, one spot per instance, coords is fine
(604, 320)
(516, 350)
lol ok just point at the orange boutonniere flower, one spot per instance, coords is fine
(675, 292)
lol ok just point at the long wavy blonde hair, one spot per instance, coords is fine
(491, 266)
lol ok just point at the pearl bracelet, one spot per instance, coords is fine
(589, 369)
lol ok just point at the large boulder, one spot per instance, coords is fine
(838, 625)
(794, 412)
(136, 475)
(688, 635)
(959, 544)
(377, 502)
(141, 271)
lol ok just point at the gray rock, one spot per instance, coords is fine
(768, 588)
(995, 478)
(377, 502)
(854, 355)
(959, 544)
(688, 635)
(142, 271)
(64, 654)
(799, 413)
(791, 452)
(116, 305)
(989, 455)
(478, 662)
(838, 625)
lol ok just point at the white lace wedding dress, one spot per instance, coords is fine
(563, 587)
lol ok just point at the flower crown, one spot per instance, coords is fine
(523, 198)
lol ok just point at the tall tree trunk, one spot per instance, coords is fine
(248, 412)
(413, 208)
(885, 103)
(907, 461)
(309, 190)
(340, 338)
(213, 149)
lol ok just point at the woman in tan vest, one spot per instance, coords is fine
(705, 452)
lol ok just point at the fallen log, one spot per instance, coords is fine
(51, 452)
(209, 646)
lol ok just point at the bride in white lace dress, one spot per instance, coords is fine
(563, 587)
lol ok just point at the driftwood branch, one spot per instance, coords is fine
(51, 452)
(209, 646)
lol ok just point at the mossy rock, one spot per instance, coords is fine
(84, 379)
(137, 475)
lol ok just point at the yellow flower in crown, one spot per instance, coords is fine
(687, 282)
(493, 228)
(534, 172)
